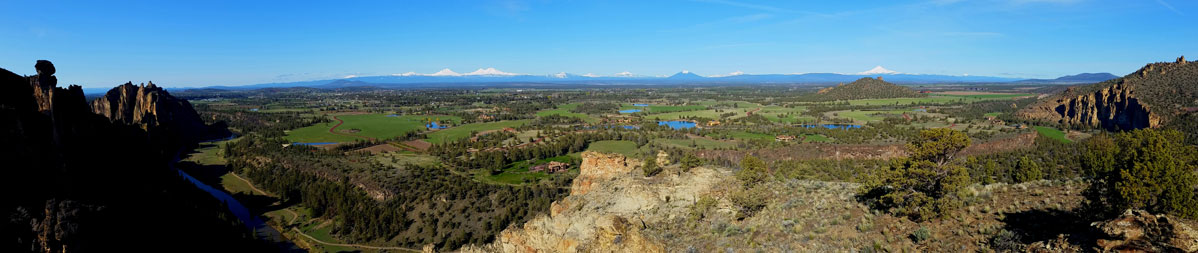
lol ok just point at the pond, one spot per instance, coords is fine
(834, 126)
(631, 127)
(392, 115)
(434, 125)
(630, 111)
(677, 124)
(311, 143)
(641, 105)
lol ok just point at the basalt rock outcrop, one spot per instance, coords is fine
(1148, 98)
(151, 107)
(78, 182)
(609, 209)
(1140, 231)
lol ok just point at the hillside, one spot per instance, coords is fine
(79, 182)
(1075, 79)
(867, 88)
(1153, 96)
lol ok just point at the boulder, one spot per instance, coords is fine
(1141, 231)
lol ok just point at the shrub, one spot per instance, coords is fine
(748, 201)
(921, 234)
(650, 167)
(1142, 169)
(925, 185)
(689, 161)
(1027, 171)
(752, 170)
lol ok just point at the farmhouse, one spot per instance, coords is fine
(551, 167)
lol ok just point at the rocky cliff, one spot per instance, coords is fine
(78, 182)
(1148, 98)
(610, 206)
(149, 106)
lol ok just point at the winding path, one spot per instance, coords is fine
(295, 216)
(350, 245)
(333, 130)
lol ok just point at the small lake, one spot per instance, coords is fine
(311, 143)
(630, 111)
(641, 105)
(677, 124)
(834, 126)
(631, 127)
(434, 125)
(392, 115)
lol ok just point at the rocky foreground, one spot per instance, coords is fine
(613, 207)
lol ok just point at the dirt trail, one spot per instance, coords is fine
(350, 245)
(333, 130)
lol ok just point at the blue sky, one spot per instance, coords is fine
(202, 43)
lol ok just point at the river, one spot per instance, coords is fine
(251, 221)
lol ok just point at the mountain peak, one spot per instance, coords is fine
(489, 72)
(878, 70)
(685, 75)
(445, 72)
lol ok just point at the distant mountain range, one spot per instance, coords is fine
(1073, 79)
(494, 77)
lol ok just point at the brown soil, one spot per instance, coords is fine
(420, 145)
(381, 148)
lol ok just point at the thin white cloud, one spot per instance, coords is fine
(1169, 6)
(350, 76)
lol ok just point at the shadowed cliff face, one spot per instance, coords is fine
(151, 107)
(75, 181)
(1148, 98)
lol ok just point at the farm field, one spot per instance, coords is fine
(935, 99)
(377, 126)
(693, 143)
(564, 110)
(627, 148)
(1052, 132)
(464, 131)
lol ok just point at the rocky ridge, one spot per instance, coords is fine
(1148, 98)
(609, 207)
(149, 106)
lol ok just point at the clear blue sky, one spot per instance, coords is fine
(202, 43)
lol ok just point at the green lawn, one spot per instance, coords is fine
(517, 172)
(863, 116)
(1053, 133)
(652, 108)
(380, 126)
(697, 142)
(934, 99)
(464, 131)
(627, 148)
(564, 110)
(370, 125)
(234, 185)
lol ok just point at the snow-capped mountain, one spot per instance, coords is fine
(879, 70)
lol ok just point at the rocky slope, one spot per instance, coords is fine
(149, 106)
(610, 205)
(867, 88)
(1148, 98)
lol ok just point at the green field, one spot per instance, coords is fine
(696, 142)
(652, 108)
(627, 148)
(377, 126)
(710, 114)
(936, 99)
(564, 110)
(1053, 133)
(464, 131)
(863, 116)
